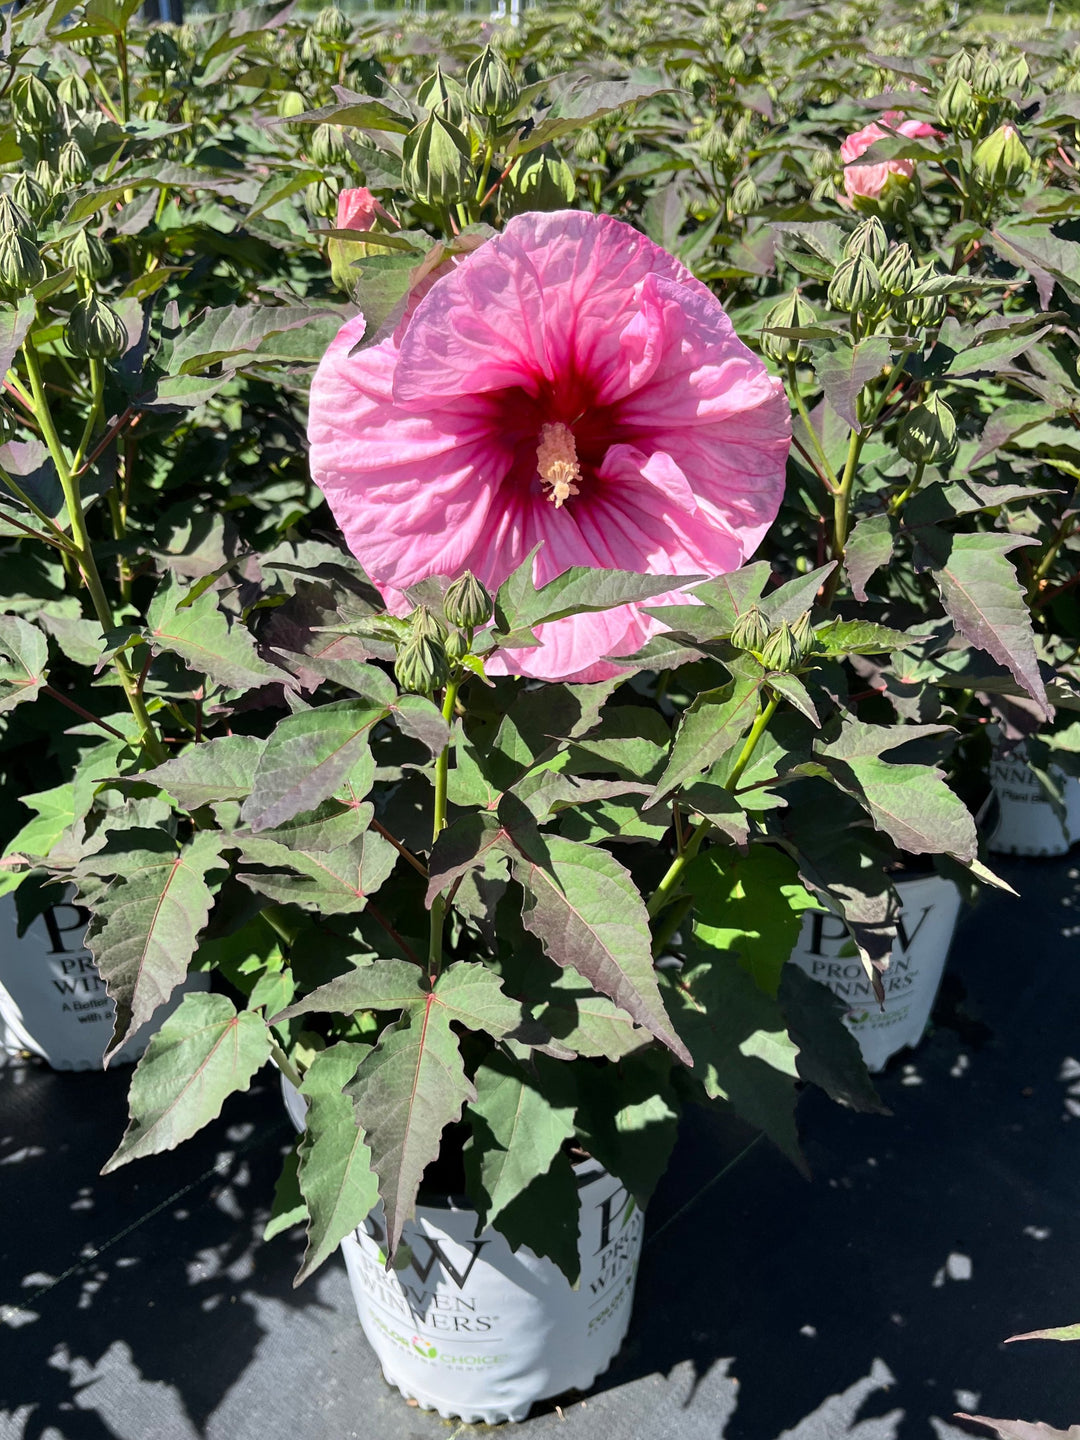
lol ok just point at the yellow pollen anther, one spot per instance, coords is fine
(557, 462)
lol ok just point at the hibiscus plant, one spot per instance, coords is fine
(493, 796)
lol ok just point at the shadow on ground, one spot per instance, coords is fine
(869, 1303)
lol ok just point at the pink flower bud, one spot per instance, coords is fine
(358, 210)
(869, 181)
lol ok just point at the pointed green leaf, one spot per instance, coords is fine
(333, 882)
(145, 927)
(385, 985)
(203, 1053)
(545, 1218)
(472, 995)
(202, 636)
(519, 605)
(517, 1133)
(750, 906)
(220, 769)
(1023, 1429)
(985, 601)
(741, 1050)
(1062, 1332)
(869, 547)
(24, 653)
(309, 756)
(714, 723)
(829, 1054)
(407, 1090)
(732, 595)
(335, 1175)
(581, 1022)
(287, 1208)
(588, 913)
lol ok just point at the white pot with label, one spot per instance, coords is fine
(478, 1332)
(929, 909)
(52, 999)
(1028, 824)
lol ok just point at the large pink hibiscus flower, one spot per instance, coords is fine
(567, 383)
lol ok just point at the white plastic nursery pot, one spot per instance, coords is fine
(471, 1329)
(1027, 822)
(929, 908)
(52, 999)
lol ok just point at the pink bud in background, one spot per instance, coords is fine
(869, 181)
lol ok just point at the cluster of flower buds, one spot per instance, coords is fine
(783, 647)
(879, 282)
(21, 266)
(980, 92)
(431, 653)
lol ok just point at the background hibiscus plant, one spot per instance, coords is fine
(494, 797)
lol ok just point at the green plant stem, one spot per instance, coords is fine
(1044, 566)
(56, 535)
(842, 511)
(97, 405)
(125, 79)
(800, 404)
(905, 495)
(442, 772)
(285, 1065)
(664, 892)
(154, 750)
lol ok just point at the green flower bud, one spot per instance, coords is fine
(311, 52)
(1016, 74)
(539, 180)
(986, 75)
(856, 285)
(94, 331)
(792, 313)
(927, 433)
(443, 94)
(422, 666)
(956, 104)
(899, 271)
(490, 88)
(467, 603)
(1001, 159)
(162, 51)
(72, 165)
(823, 163)
(960, 64)
(734, 59)
(780, 651)
(714, 146)
(28, 196)
(456, 646)
(426, 623)
(14, 217)
(744, 197)
(869, 239)
(73, 91)
(333, 25)
(20, 265)
(751, 630)
(694, 74)
(712, 28)
(47, 178)
(88, 256)
(320, 197)
(588, 146)
(802, 632)
(33, 102)
(291, 103)
(437, 164)
(327, 145)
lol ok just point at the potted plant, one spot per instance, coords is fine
(495, 812)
